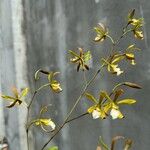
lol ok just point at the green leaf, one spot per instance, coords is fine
(127, 101)
(90, 97)
(53, 148)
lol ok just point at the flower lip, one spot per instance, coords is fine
(56, 87)
(117, 70)
(115, 113)
(45, 122)
(96, 114)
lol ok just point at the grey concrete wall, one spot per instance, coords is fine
(9, 118)
(50, 28)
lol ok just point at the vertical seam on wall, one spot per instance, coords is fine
(19, 47)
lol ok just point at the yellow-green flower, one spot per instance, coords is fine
(112, 64)
(101, 32)
(45, 122)
(54, 84)
(105, 105)
(129, 53)
(130, 57)
(115, 112)
(97, 110)
(136, 24)
(134, 21)
(138, 34)
(81, 59)
(17, 98)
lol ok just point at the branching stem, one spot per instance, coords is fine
(28, 110)
(75, 118)
(74, 106)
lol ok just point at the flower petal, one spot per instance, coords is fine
(91, 109)
(15, 92)
(56, 86)
(130, 56)
(87, 56)
(96, 114)
(131, 14)
(138, 34)
(91, 97)
(8, 97)
(132, 85)
(46, 122)
(115, 113)
(127, 101)
(12, 104)
(118, 93)
(24, 92)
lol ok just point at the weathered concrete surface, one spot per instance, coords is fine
(53, 27)
(7, 69)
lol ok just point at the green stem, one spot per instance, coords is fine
(75, 118)
(124, 33)
(84, 76)
(103, 144)
(31, 123)
(43, 86)
(111, 39)
(84, 90)
(120, 84)
(74, 106)
(28, 110)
